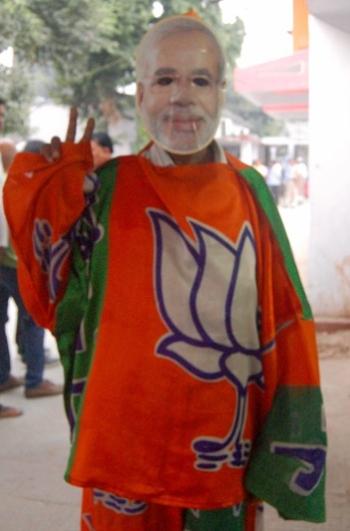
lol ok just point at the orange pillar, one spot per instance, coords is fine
(300, 25)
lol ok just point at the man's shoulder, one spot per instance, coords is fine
(7, 146)
(114, 162)
(112, 168)
(7, 153)
(7, 142)
(242, 168)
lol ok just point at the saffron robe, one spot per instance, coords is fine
(187, 340)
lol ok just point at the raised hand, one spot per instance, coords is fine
(52, 151)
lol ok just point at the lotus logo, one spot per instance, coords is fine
(50, 255)
(86, 233)
(207, 297)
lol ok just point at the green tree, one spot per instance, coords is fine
(79, 51)
(91, 43)
(86, 47)
(15, 88)
(20, 30)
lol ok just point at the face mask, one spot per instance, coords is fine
(181, 97)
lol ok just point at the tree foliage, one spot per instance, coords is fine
(86, 47)
(19, 29)
(15, 88)
(78, 52)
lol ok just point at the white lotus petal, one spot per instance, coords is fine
(213, 290)
(243, 366)
(178, 272)
(203, 359)
(245, 299)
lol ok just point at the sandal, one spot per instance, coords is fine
(9, 412)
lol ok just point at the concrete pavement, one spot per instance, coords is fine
(34, 447)
(33, 452)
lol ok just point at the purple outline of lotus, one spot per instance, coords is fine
(86, 233)
(212, 314)
(118, 504)
(51, 256)
(77, 388)
(80, 342)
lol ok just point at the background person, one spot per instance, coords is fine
(101, 147)
(301, 174)
(260, 167)
(274, 179)
(289, 195)
(7, 147)
(31, 335)
(7, 153)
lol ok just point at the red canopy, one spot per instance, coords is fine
(279, 87)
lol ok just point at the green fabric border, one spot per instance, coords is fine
(83, 301)
(294, 420)
(227, 519)
(262, 193)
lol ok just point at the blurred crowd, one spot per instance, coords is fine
(287, 180)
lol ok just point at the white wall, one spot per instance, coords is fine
(329, 254)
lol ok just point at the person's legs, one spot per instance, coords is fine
(19, 341)
(5, 362)
(32, 336)
(290, 193)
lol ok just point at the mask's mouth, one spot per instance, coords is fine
(182, 131)
(183, 124)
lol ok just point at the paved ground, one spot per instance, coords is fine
(33, 450)
(34, 447)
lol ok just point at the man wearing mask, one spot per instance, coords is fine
(186, 337)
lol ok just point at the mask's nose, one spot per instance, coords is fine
(182, 93)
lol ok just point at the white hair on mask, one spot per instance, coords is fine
(170, 26)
